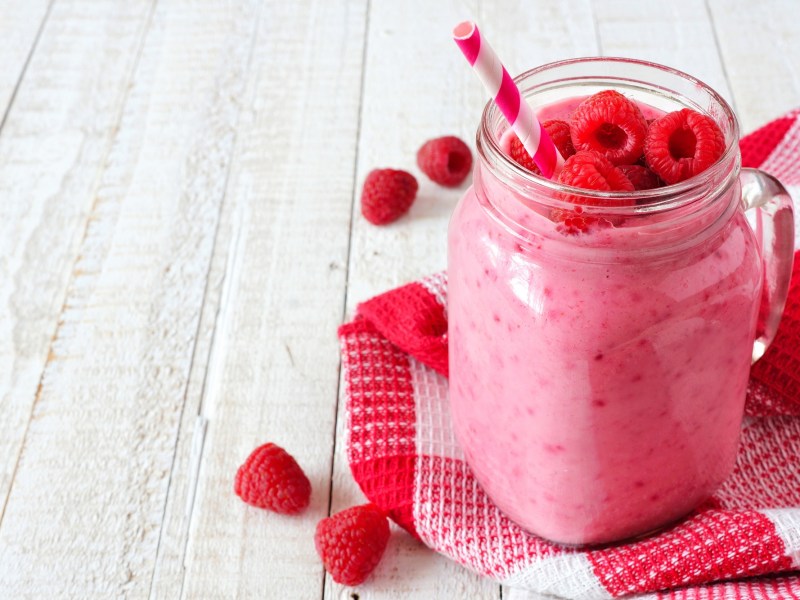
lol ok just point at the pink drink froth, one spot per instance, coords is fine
(598, 398)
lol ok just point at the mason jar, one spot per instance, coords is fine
(598, 374)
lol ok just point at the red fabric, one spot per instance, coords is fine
(414, 321)
(777, 375)
(685, 555)
(743, 543)
(500, 542)
(757, 146)
(765, 588)
(766, 474)
(385, 472)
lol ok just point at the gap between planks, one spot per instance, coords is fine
(24, 70)
(141, 35)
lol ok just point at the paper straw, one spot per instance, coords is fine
(508, 98)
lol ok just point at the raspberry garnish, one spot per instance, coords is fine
(682, 144)
(387, 195)
(611, 124)
(351, 543)
(270, 478)
(445, 160)
(558, 132)
(575, 222)
(641, 177)
(592, 171)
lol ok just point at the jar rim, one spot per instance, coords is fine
(661, 199)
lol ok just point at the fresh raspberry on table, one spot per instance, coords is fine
(270, 478)
(611, 124)
(682, 144)
(351, 543)
(641, 177)
(558, 131)
(445, 160)
(592, 171)
(387, 195)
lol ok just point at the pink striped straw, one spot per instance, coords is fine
(508, 98)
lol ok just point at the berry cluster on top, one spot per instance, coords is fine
(610, 146)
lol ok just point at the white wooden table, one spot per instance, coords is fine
(180, 237)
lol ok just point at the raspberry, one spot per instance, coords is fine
(592, 171)
(387, 195)
(445, 160)
(575, 222)
(682, 144)
(610, 124)
(270, 478)
(641, 177)
(558, 132)
(351, 543)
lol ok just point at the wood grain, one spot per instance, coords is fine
(180, 235)
(273, 370)
(54, 141)
(20, 24)
(760, 47)
(85, 512)
(678, 34)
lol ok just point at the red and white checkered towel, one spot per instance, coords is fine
(403, 454)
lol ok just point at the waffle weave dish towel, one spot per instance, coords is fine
(743, 543)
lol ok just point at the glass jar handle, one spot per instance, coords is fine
(770, 213)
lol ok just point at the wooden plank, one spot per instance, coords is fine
(168, 575)
(417, 86)
(54, 139)
(84, 514)
(760, 46)
(273, 369)
(678, 34)
(20, 24)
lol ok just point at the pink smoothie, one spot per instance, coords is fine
(598, 384)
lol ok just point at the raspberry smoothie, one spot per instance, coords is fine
(598, 380)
